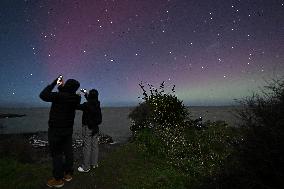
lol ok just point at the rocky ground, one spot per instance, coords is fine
(33, 147)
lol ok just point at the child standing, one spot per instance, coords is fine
(91, 119)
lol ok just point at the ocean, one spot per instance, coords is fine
(115, 120)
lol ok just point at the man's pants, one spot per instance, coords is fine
(90, 148)
(60, 144)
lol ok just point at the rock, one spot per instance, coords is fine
(105, 139)
(11, 115)
(37, 141)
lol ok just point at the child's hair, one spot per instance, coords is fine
(93, 95)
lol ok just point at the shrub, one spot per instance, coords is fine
(258, 161)
(159, 109)
(140, 116)
(167, 131)
(165, 117)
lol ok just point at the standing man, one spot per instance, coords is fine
(60, 128)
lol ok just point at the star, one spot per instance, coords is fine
(144, 37)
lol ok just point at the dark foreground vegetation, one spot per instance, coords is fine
(170, 150)
(216, 155)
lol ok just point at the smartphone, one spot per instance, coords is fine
(59, 79)
(83, 90)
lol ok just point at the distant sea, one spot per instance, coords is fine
(115, 120)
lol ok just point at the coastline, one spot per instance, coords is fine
(115, 119)
(40, 154)
(7, 115)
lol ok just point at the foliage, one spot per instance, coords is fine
(130, 167)
(166, 118)
(206, 151)
(141, 116)
(169, 133)
(159, 108)
(258, 161)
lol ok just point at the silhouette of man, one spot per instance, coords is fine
(60, 128)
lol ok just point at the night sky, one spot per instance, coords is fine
(213, 51)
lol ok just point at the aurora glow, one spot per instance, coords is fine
(213, 51)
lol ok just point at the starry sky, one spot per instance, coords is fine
(213, 51)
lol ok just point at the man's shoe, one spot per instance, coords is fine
(80, 169)
(55, 183)
(67, 177)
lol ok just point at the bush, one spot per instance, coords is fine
(159, 109)
(168, 132)
(140, 116)
(258, 161)
(165, 117)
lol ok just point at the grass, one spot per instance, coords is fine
(140, 164)
(14, 174)
(132, 168)
(126, 167)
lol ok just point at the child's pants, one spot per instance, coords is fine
(90, 148)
